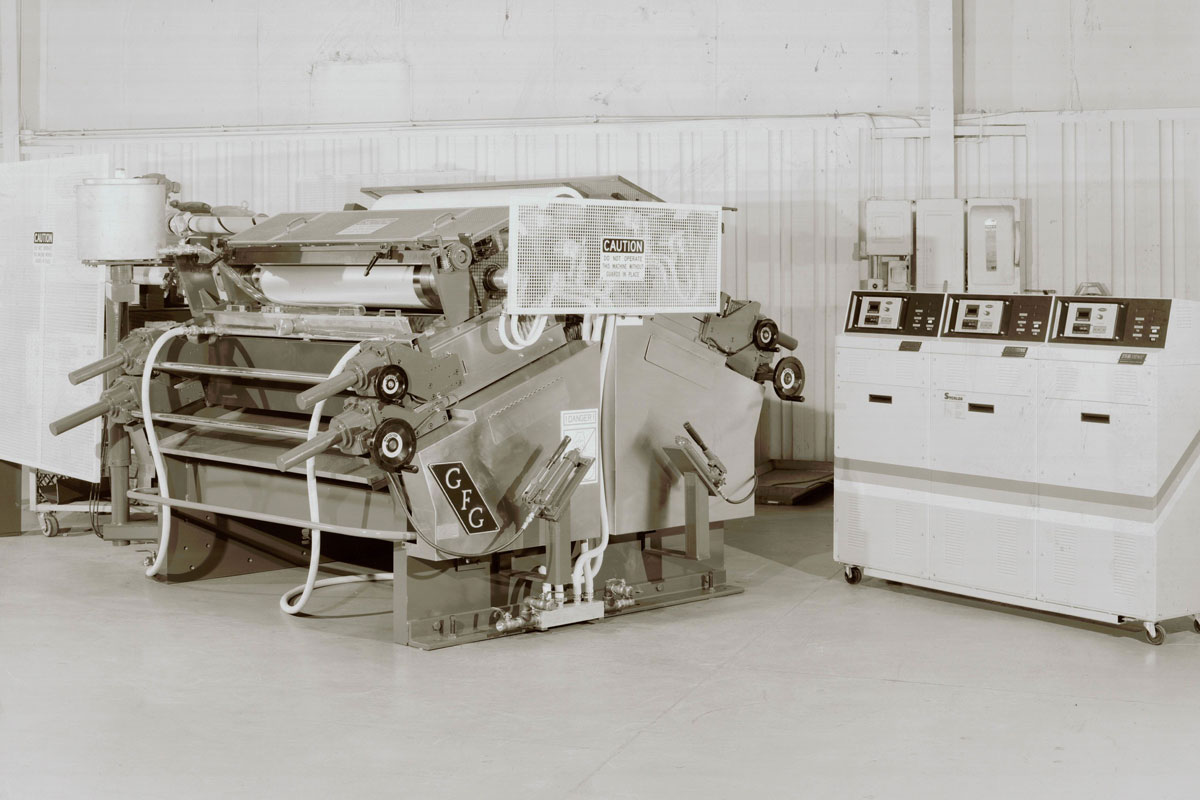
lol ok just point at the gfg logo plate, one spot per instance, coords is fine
(464, 497)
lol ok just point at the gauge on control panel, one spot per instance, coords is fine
(880, 312)
(979, 316)
(1091, 320)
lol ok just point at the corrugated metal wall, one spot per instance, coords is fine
(796, 186)
(1110, 199)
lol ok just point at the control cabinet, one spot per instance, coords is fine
(1053, 464)
(881, 397)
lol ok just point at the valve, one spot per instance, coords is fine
(618, 594)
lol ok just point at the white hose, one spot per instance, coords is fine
(587, 566)
(305, 590)
(511, 336)
(160, 469)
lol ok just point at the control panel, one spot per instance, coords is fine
(901, 313)
(1009, 317)
(1121, 321)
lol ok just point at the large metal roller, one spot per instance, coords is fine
(387, 286)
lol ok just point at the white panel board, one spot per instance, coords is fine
(51, 316)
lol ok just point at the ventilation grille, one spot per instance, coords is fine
(1007, 546)
(1066, 556)
(1124, 565)
(954, 547)
(613, 257)
(856, 532)
(906, 535)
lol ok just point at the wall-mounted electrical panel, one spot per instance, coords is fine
(943, 245)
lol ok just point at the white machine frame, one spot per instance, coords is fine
(1046, 466)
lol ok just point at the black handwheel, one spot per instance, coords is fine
(1158, 637)
(393, 445)
(1196, 625)
(789, 378)
(853, 575)
(391, 383)
(766, 334)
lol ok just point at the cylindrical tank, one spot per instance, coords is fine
(121, 219)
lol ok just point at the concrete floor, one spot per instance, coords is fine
(114, 686)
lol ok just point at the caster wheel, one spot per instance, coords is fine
(49, 523)
(1156, 635)
(853, 575)
(1196, 625)
(148, 561)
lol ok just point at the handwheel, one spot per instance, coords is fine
(49, 522)
(1159, 634)
(391, 383)
(789, 379)
(766, 334)
(853, 575)
(1196, 625)
(394, 445)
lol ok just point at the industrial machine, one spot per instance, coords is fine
(1039, 451)
(534, 395)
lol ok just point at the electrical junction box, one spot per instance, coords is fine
(941, 246)
(889, 228)
(993, 245)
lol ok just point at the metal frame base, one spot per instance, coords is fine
(998, 597)
(443, 604)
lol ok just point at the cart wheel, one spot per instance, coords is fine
(1155, 633)
(852, 575)
(49, 522)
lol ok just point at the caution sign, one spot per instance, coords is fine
(464, 497)
(622, 259)
(43, 248)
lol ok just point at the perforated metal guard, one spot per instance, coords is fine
(613, 257)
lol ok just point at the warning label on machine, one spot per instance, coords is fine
(43, 248)
(622, 259)
(583, 426)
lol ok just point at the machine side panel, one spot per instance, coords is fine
(1097, 562)
(982, 416)
(880, 521)
(663, 380)
(509, 430)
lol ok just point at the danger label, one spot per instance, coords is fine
(622, 259)
(583, 426)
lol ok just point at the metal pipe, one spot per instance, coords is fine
(77, 418)
(328, 527)
(313, 447)
(218, 423)
(98, 367)
(326, 389)
(278, 375)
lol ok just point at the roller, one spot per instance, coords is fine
(472, 198)
(388, 286)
